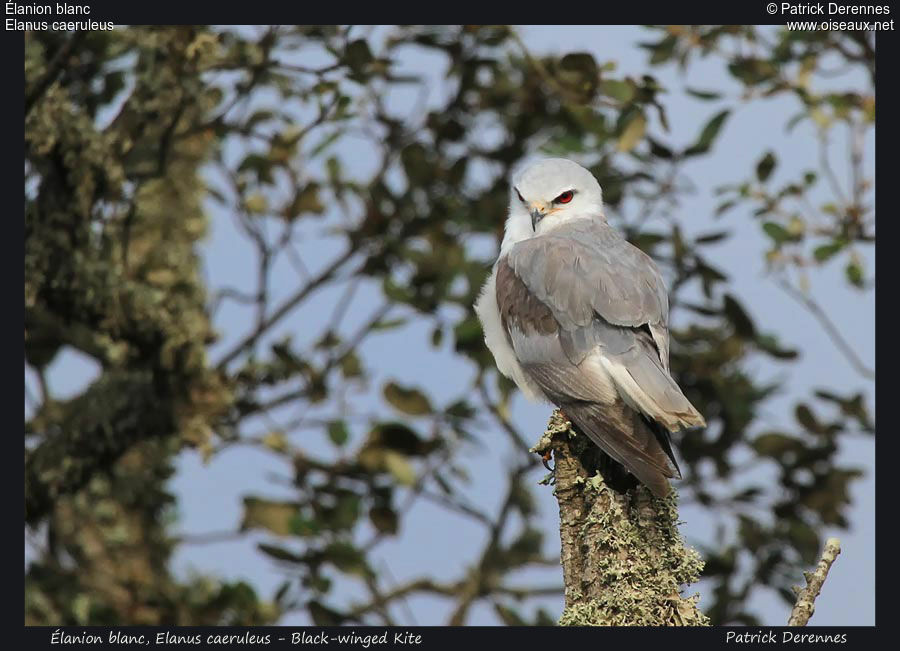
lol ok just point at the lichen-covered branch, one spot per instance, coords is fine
(806, 597)
(112, 270)
(624, 562)
(116, 412)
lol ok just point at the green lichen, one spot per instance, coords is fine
(624, 560)
(112, 232)
(557, 426)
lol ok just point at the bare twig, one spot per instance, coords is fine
(503, 421)
(829, 327)
(416, 586)
(210, 538)
(531, 591)
(457, 505)
(806, 597)
(829, 171)
(285, 308)
(333, 361)
(473, 587)
(296, 261)
(230, 293)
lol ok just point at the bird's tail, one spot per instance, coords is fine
(633, 442)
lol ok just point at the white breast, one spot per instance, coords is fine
(495, 338)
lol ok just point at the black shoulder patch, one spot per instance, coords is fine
(519, 308)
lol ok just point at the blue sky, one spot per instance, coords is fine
(433, 540)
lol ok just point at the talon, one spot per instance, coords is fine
(545, 458)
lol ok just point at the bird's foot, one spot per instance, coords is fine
(545, 458)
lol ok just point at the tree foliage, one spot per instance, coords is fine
(135, 136)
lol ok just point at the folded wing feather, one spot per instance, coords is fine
(586, 315)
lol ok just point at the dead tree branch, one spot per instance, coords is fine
(806, 597)
(624, 562)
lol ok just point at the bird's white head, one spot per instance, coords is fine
(548, 193)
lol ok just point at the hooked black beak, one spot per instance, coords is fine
(536, 216)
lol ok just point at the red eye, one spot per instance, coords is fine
(519, 194)
(565, 197)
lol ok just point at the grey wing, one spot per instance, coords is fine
(610, 304)
(585, 269)
(584, 391)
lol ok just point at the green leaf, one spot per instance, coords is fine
(468, 335)
(617, 89)
(388, 324)
(769, 344)
(333, 167)
(345, 513)
(460, 409)
(543, 618)
(384, 520)
(338, 432)
(854, 407)
(351, 367)
(659, 150)
(795, 120)
(407, 400)
(279, 553)
(347, 558)
(282, 592)
(579, 71)
(301, 526)
(270, 515)
(705, 95)
(258, 117)
(323, 615)
(256, 204)
(399, 466)
(646, 240)
(416, 164)
(581, 62)
(437, 336)
(765, 166)
(751, 533)
(525, 548)
(632, 133)
(275, 441)
(855, 274)
(805, 539)
(777, 232)
(259, 165)
(663, 50)
(806, 418)
(743, 324)
(774, 444)
(826, 251)
(751, 70)
(305, 201)
(709, 276)
(700, 309)
(709, 238)
(708, 134)
(358, 55)
(508, 616)
(724, 207)
(399, 437)
(325, 143)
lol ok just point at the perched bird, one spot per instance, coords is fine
(577, 316)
